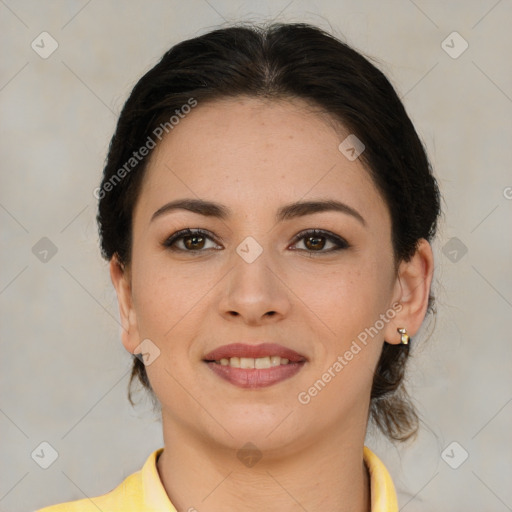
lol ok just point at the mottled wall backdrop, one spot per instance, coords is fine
(67, 429)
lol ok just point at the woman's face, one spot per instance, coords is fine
(254, 275)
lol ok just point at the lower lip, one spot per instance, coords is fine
(255, 378)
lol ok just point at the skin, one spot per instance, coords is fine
(255, 156)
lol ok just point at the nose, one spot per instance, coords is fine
(255, 293)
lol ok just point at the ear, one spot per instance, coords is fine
(121, 280)
(412, 289)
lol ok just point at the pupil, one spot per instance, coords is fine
(193, 241)
(316, 242)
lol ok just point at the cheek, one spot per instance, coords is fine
(159, 296)
(350, 303)
(165, 302)
(169, 300)
(347, 299)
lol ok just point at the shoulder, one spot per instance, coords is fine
(128, 496)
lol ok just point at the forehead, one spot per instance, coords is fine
(248, 153)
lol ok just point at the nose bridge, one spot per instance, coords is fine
(254, 290)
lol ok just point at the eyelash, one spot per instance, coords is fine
(184, 233)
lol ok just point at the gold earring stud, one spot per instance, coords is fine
(404, 337)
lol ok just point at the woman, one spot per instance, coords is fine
(267, 210)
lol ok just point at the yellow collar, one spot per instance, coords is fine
(382, 490)
(383, 495)
(143, 490)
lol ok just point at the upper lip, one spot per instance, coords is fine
(254, 351)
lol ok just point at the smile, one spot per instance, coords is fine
(254, 366)
(251, 362)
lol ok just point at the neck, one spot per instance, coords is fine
(198, 475)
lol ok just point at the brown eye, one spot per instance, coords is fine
(315, 240)
(194, 242)
(190, 240)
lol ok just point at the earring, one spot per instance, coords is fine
(404, 337)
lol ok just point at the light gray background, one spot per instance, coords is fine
(63, 369)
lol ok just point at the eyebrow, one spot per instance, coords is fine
(286, 212)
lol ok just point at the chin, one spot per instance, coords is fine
(266, 426)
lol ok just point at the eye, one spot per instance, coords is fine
(191, 240)
(196, 240)
(315, 240)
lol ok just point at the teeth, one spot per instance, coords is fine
(262, 362)
(275, 361)
(251, 362)
(246, 362)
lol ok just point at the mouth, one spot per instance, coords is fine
(254, 366)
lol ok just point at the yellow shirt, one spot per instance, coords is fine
(144, 491)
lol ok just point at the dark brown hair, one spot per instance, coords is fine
(282, 61)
